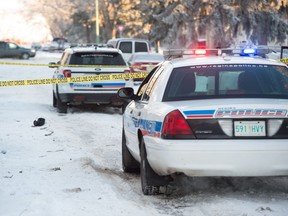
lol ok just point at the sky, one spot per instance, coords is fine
(10, 4)
(18, 27)
(71, 166)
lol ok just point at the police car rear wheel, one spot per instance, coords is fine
(129, 164)
(150, 181)
(61, 106)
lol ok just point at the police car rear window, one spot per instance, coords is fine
(97, 59)
(227, 81)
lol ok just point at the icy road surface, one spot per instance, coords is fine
(71, 166)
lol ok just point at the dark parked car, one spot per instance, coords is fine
(12, 50)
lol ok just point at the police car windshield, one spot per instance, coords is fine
(97, 59)
(227, 81)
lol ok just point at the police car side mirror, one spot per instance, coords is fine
(126, 93)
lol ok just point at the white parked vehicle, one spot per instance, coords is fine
(129, 46)
(143, 62)
(88, 61)
(207, 116)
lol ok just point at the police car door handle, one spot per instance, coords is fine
(137, 114)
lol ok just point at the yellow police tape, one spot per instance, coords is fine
(93, 78)
(66, 65)
(102, 77)
(284, 60)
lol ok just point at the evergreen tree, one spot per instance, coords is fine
(176, 23)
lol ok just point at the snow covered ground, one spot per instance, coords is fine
(71, 166)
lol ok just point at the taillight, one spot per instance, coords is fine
(66, 73)
(175, 126)
(138, 67)
(127, 71)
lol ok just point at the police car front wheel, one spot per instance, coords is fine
(54, 100)
(129, 164)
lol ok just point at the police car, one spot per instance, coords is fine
(207, 116)
(88, 60)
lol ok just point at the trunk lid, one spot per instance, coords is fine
(237, 118)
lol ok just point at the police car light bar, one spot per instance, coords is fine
(200, 52)
(249, 51)
(179, 53)
(73, 45)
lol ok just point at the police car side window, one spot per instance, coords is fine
(64, 59)
(151, 84)
(143, 85)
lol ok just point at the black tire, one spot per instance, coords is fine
(150, 181)
(25, 56)
(122, 110)
(129, 164)
(61, 106)
(124, 105)
(54, 100)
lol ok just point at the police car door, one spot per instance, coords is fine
(142, 106)
(136, 110)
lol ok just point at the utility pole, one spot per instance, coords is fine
(97, 21)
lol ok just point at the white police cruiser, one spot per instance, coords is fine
(87, 61)
(207, 116)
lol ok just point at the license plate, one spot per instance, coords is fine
(249, 128)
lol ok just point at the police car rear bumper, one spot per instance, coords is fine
(218, 157)
(90, 98)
